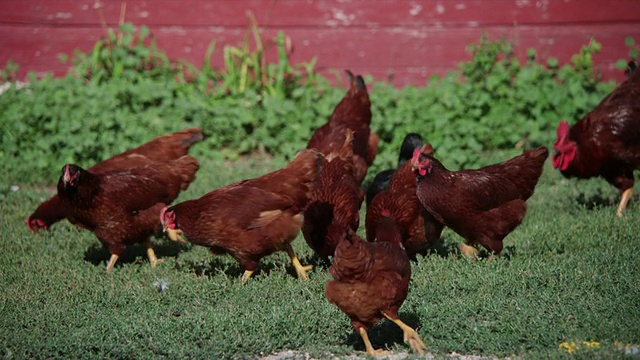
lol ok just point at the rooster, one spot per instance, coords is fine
(484, 205)
(163, 148)
(122, 207)
(250, 219)
(606, 142)
(371, 281)
(353, 112)
(335, 203)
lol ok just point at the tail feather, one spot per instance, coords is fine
(523, 170)
(632, 67)
(306, 165)
(372, 147)
(345, 153)
(191, 136)
(170, 146)
(356, 82)
(360, 85)
(352, 259)
(297, 180)
(185, 167)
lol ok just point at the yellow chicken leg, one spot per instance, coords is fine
(468, 251)
(112, 262)
(245, 277)
(626, 195)
(368, 346)
(301, 270)
(151, 254)
(410, 336)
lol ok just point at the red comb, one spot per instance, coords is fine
(563, 130)
(162, 213)
(29, 224)
(416, 155)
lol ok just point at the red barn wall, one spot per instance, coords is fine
(403, 42)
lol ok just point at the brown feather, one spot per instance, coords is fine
(353, 112)
(335, 203)
(253, 218)
(368, 279)
(164, 148)
(607, 139)
(419, 229)
(484, 205)
(123, 207)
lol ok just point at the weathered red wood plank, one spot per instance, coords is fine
(411, 56)
(319, 13)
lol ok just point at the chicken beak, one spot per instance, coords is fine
(174, 234)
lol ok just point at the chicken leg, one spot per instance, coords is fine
(245, 277)
(626, 195)
(367, 344)
(410, 336)
(112, 262)
(153, 259)
(468, 251)
(301, 270)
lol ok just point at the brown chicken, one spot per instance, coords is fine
(484, 205)
(371, 281)
(250, 219)
(353, 112)
(163, 148)
(122, 207)
(606, 142)
(381, 181)
(335, 203)
(419, 229)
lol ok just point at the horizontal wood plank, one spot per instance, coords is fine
(319, 13)
(389, 54)
(400, 41)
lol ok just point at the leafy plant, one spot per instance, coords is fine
(125, 91)
(8, 74)
(123, 54)
(495, 102)
(622, 64)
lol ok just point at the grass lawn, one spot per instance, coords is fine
(569, 273)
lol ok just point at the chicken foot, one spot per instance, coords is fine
(367, 344)
(300, 269)
(468, 251)
(410, 336)
(626, 195)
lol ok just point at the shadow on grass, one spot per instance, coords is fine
(99, 255)
(595, 201)
(220, 263)
(450, 249)
(211, 266)
(318, 262)
(385, 334)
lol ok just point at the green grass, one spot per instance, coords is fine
(570, 272)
